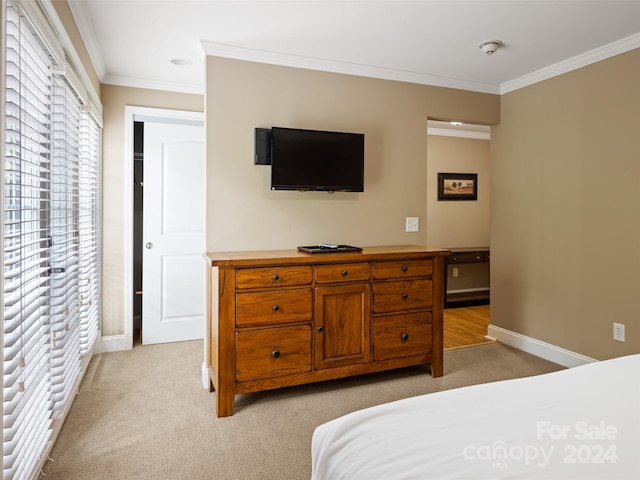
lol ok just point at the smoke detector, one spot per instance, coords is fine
(490, 47)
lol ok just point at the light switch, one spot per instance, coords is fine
(412, 224)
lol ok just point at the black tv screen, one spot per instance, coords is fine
(317, 160)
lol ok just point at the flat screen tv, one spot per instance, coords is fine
(316, 160)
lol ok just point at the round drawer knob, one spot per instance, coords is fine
(405, 337)
(405, 296)
(320, 328)
(276, 308)
(276, 276)
(275, 353)
(345, 273)
(404, 268)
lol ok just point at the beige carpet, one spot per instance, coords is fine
(143, 414)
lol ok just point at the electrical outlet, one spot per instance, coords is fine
(618, 331)
(455, 272)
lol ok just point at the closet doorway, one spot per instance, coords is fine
(167, 226)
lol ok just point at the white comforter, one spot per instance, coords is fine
(578, 423)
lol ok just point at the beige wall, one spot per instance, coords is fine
(565, 217)
(244, 214)
(114, 183)
(458, 223)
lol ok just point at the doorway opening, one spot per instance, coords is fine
(134, 216)
(138, 183)
(462, 226)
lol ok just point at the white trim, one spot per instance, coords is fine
(114, 343)
(205, 376)
(461, 130)
(83, 21)
(131, 114)
(579, 61)
(446, 132)
(127, 217)
(545, 350)
(300, 61)
(147, 83)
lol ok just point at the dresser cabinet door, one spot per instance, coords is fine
(343, 325)
(272, 352)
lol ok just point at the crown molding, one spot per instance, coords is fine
(146, 83)
(299, 61)
(79, 11)
(621, 46)
(81, 17)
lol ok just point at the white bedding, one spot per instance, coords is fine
(578, 423)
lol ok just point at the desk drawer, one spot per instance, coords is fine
(396, 336)
(274, 307)
(402, 269)
(475, 257)
(273, 352)
(273, 277)
(401, 296)
(343, 272)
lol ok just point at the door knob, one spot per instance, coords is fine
(149, 245)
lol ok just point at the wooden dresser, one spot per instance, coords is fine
(282, 318)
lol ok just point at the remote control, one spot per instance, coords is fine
(327, 245)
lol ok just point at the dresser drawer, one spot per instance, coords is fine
(273, 277)
(396, 336)
(402, 269)
(273, 352)
(273, 307)
(343, 272)
(400, 296)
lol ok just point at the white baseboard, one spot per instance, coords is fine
(545, 350)
(205, 376)
(114, 343)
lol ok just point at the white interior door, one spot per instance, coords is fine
(173, 281)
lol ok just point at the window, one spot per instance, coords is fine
(50, 263)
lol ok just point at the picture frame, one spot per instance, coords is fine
(457, 186)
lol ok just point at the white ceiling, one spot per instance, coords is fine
(132, 42)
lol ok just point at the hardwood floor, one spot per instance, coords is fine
(466, 326)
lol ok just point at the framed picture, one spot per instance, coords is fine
(457, 186)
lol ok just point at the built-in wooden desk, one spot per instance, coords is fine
(460, 256)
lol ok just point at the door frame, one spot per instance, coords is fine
(140, 114)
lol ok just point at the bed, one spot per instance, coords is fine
(578, 423)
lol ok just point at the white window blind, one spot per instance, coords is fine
(27, 185)
(89, 172)
(64, 297)
(50, 263)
